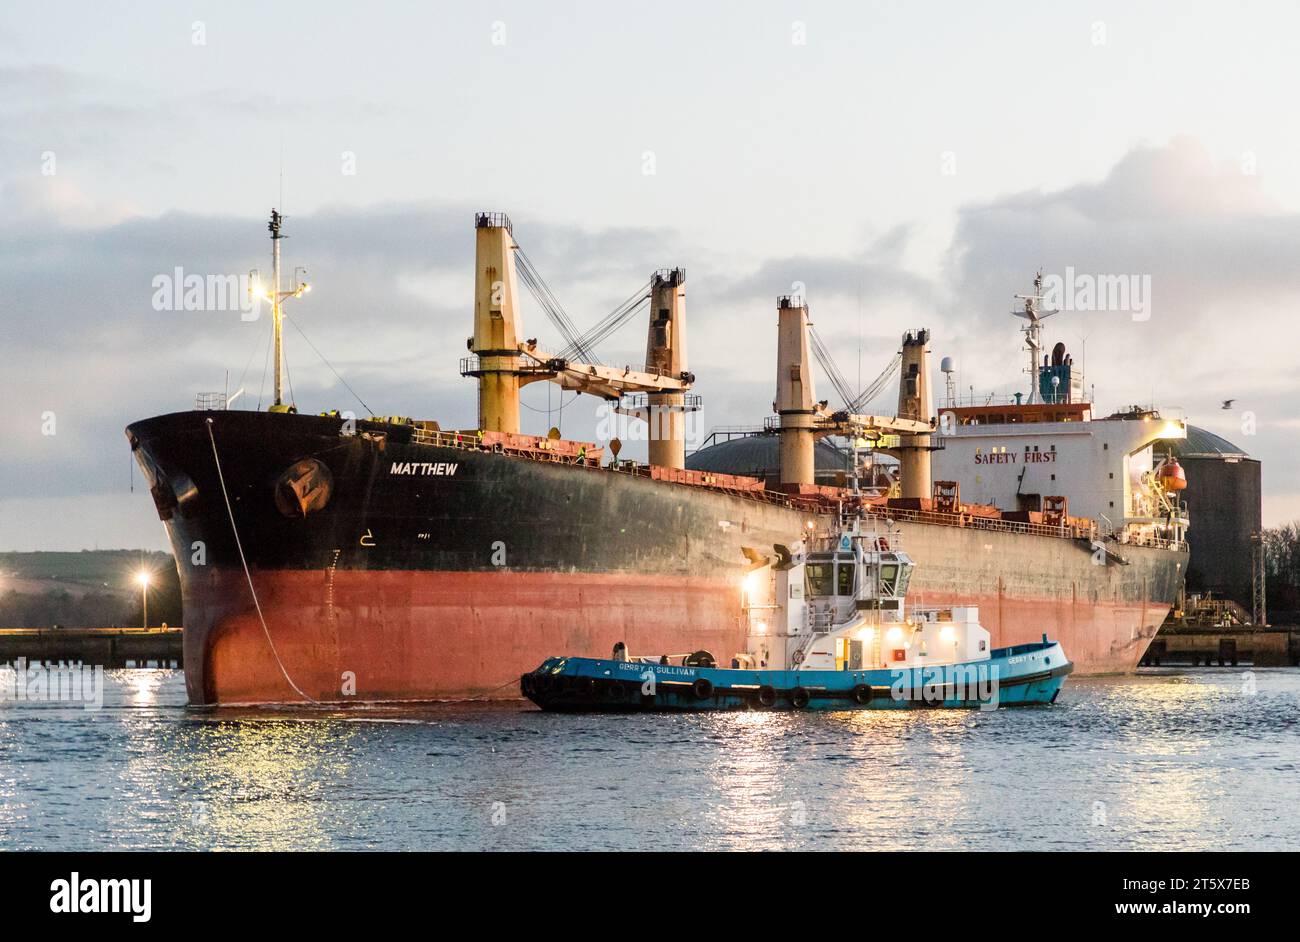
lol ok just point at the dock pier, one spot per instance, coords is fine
(1227, 646)
(109, 647)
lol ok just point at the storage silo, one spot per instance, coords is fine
(1225, 505)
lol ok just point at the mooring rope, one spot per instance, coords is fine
(488, 695)
(248, 575)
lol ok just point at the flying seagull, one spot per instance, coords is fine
(1227, 403)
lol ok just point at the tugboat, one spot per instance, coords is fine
(828, 628)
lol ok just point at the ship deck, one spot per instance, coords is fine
(804, 498)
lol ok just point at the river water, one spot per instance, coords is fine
(1180, 759)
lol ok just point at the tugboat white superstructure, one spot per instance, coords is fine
(840, 603)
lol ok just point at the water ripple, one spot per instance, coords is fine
(1183, 759)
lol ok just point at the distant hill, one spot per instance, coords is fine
(91, 588)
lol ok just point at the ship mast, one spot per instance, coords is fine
(276, 322)
(277, 297)
(1033, 330)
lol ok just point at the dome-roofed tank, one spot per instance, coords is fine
(759, 456)
(1224, 504)
(1201, 443)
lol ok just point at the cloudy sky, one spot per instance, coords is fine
(911, 164)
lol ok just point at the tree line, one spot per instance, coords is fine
(93, 609)
(1282, 568)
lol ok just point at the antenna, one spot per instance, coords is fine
(277, 297)
(1033, 330)
(947, 367)
(1083, 358)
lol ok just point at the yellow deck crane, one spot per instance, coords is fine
(503, 361)
(801, 419)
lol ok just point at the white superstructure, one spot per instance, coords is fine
(1013, 457)
(1048, 457)
(839, 603)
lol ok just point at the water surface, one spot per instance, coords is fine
(1181, 759)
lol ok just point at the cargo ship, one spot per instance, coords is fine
(332, 559)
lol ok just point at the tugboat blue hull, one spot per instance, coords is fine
(1023, 675)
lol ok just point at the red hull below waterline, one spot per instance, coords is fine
(422, 636)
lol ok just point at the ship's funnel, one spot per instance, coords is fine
(795, 396)
(666, 355)
(496, 324)
(914, 402)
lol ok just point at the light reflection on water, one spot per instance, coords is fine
(1177, 759)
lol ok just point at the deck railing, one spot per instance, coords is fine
(809, 504)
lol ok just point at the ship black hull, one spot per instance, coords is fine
(388, 570)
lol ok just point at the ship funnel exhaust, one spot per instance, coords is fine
(795, 397)
(666, 355)
(914, 402)
(496, 324)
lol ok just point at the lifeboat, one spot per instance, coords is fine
(1171, 476)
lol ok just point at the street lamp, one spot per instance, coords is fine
(142, 577)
